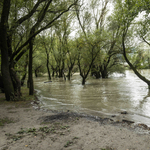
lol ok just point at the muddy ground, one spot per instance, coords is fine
(22, 127)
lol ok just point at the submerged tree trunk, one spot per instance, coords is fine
(49, 74)
(47, 65)
(53, 73)
(64, 76)
(69, 74)
(104, 72)
(70, 70)
(61, 72)
(83, 80)
(95, 72)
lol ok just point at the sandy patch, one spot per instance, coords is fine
(38, 130)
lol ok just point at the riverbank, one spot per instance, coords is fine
(26, 128)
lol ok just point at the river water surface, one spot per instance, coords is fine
(100, 97)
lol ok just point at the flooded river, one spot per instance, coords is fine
(100, 97)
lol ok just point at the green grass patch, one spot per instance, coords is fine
(55, 128)
(69, 143)
(13, 137)
(5, 120)
(107, 148)
(24, 101)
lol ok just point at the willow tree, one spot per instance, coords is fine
(87, 54)
(143, 33)
(126, 14)
(91, 18)
(43, 14)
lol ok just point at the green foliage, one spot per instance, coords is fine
(119, 68)
(14, 137)
(69, 143)
(98, 39)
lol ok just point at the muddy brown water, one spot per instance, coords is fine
(99, 97)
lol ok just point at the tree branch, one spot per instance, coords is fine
(50, 24)
(24, 18)
(145, 41)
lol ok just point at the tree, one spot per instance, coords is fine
(39, 58)
(38, 13)
(87, 54)
(92, 35)
(71, 57)
(66, 50)
(8, 85)
(125, 14)
(110, 55)
(47, 43)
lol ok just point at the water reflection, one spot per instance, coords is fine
(103, 96)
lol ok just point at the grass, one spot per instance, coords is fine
(107, 148)
(14, 137)
(69, 143)
(25, 99)
(5, 148)
(5, 120)
(55, 128)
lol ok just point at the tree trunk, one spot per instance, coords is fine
(83, 80)
(69, 74)
(64, 76)
(60, 73)
(97, 75)
(104, 73)
(61, 70)
(25, 71)
(16, 83)
(37, 70)
(23, 79)
(30, 75)
(148, 63)
(48, 70)
(1, 84)
(93, 69)
(8, 85)
(95, 72)
(53, 73)
(70, 70)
